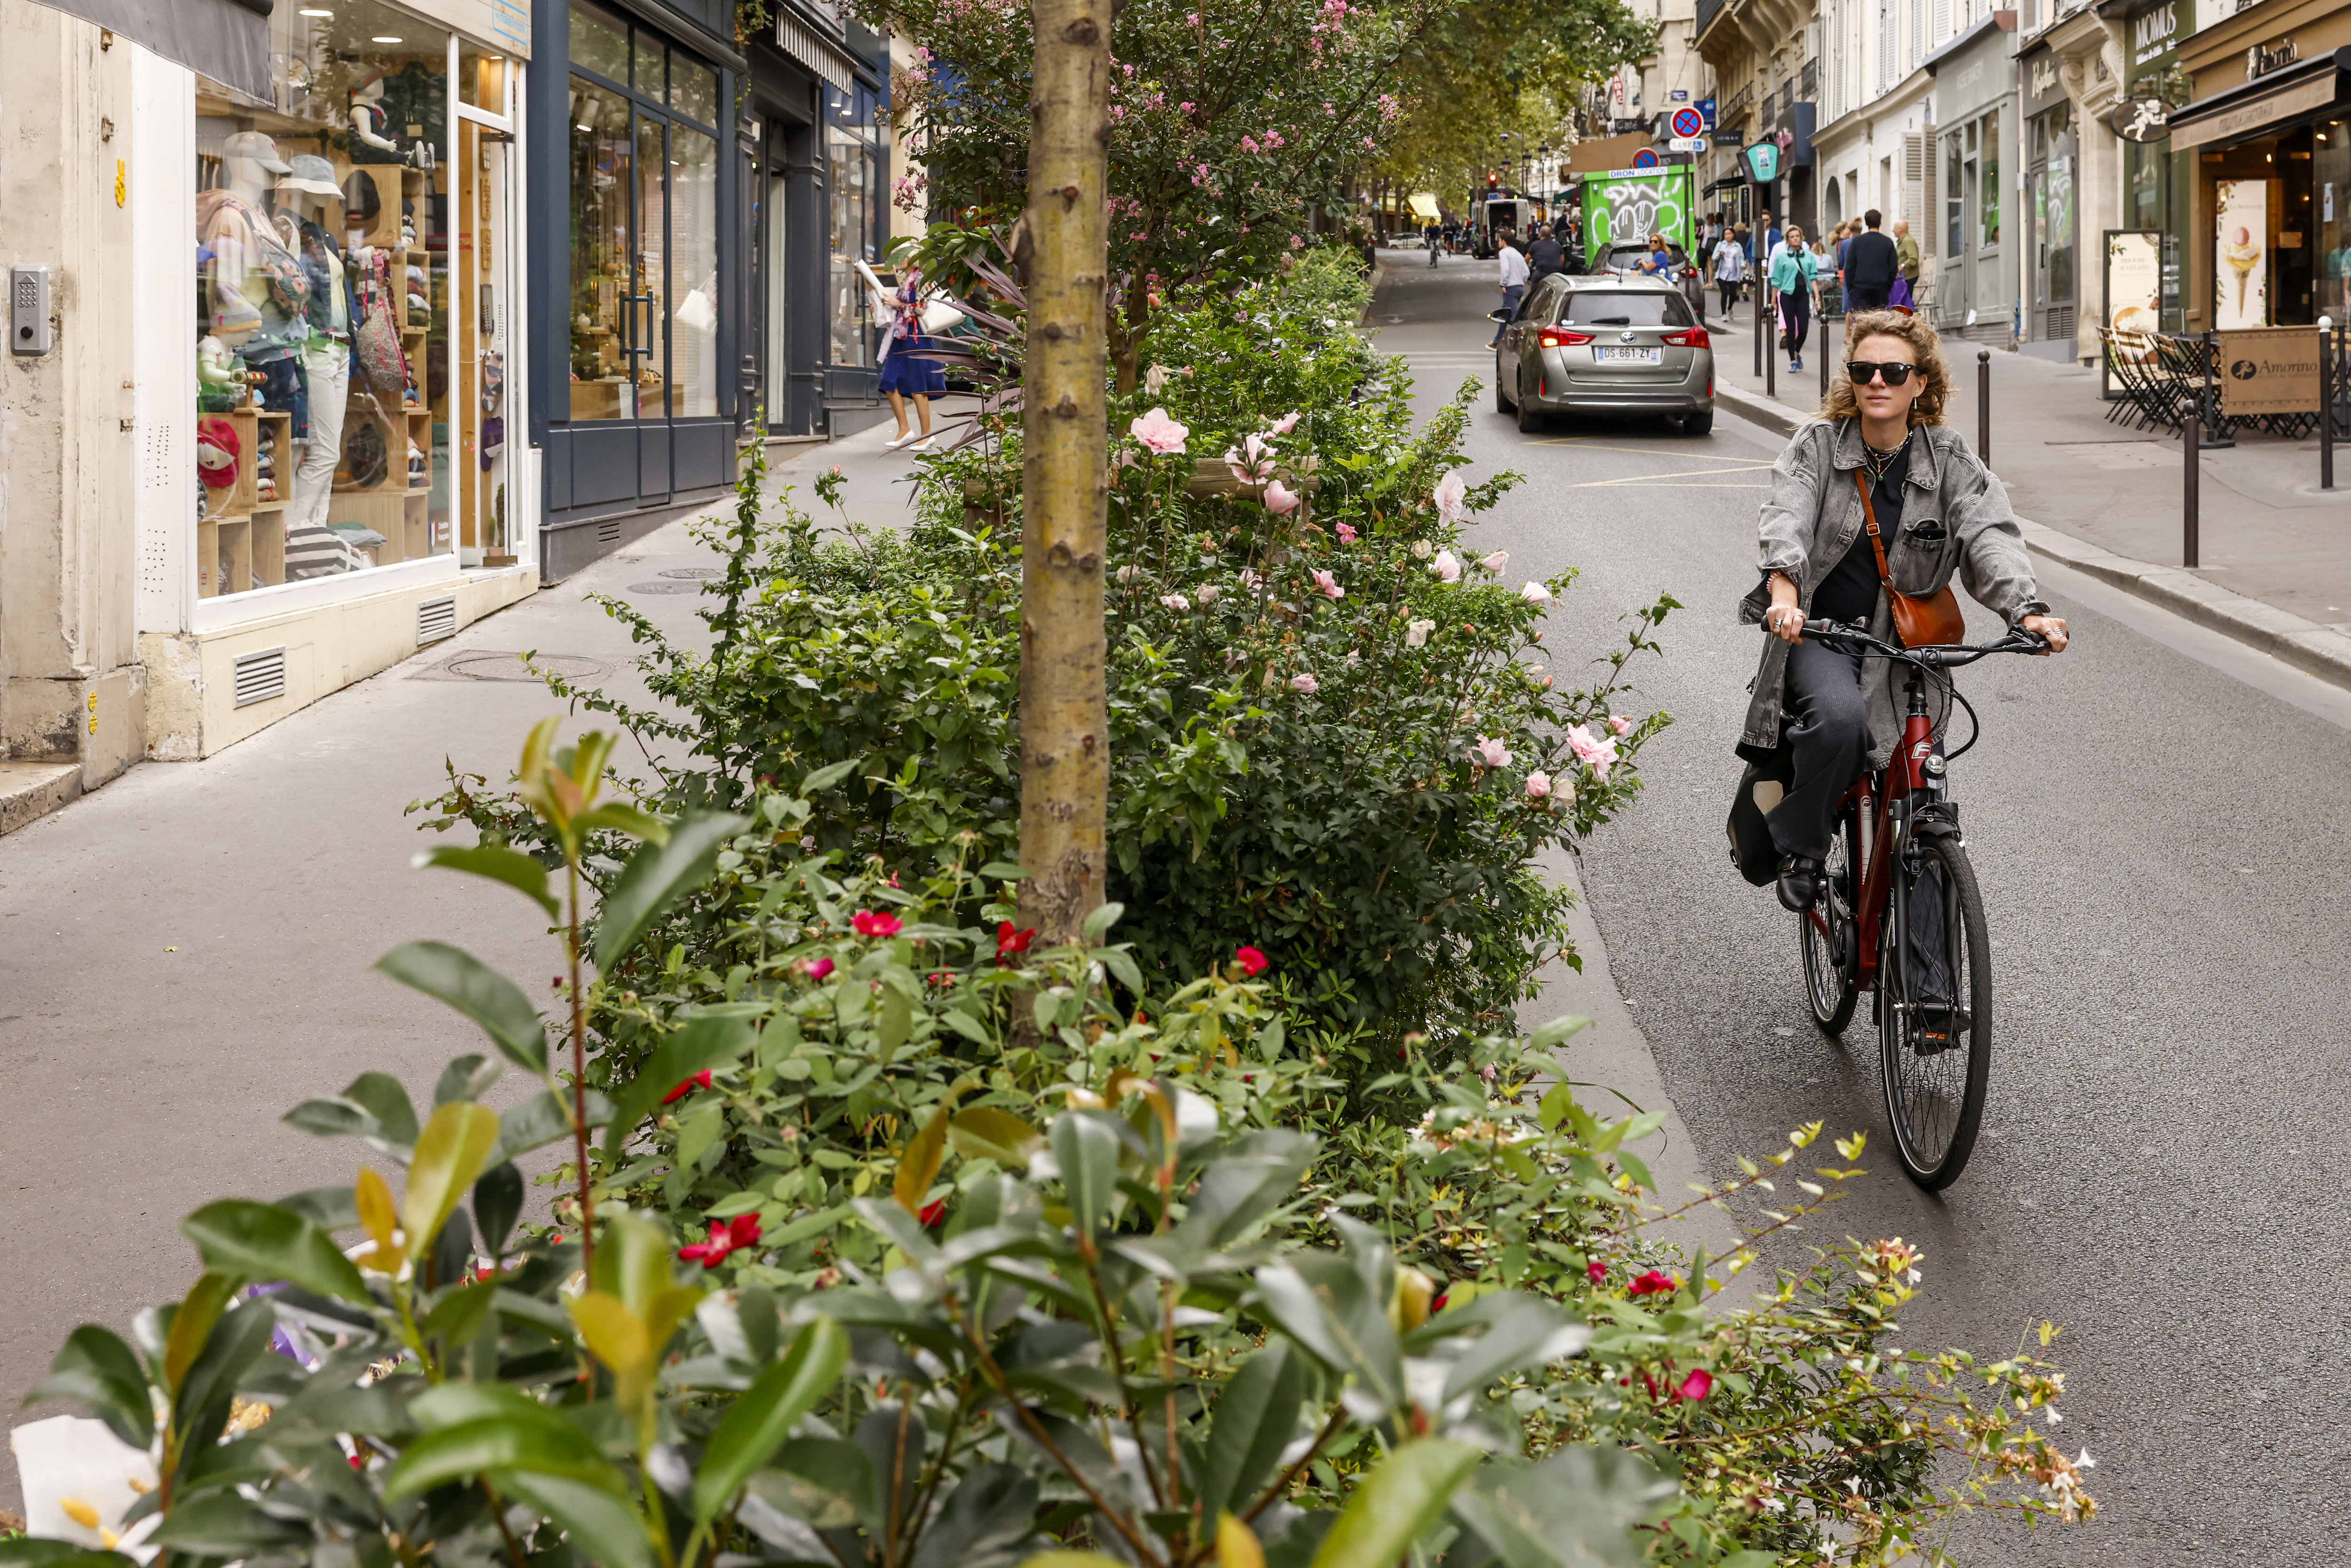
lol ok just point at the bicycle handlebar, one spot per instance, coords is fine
(1939, 655)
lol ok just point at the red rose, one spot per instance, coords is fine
(1655, 1282)
(874, 923)
(1697, 1385)
(1251, 961)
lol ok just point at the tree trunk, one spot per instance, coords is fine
(1064, 717)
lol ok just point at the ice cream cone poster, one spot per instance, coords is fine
(2241, 254)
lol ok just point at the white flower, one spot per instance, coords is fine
(1126, 574)
(1304, 681)
(1420, 548)
(1416, 632)
(1451, 495)
(79, 1479)
(1535, 594)
(2085, 1462)
(1447, 568)
(1154, 380)
(1496, 561)
(2054, 1418)
(1207, 593)
(1175, 602)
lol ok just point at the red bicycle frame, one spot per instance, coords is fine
(1871, 800)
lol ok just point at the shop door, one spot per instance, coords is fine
(484, 295)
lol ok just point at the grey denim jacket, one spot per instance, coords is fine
(1954, 517)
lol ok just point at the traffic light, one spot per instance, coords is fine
(1493, 181)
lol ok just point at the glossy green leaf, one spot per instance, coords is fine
(43, 1551)
(757, 1424)
(456, 1316)
(655, 875)
(497, 1201)
(221, 1524)
(1087, 1151)
(95, 1370)
(825, 778)
(543, 1119)
(708, 1041)
(327, 1207)
(465, 1078)
(985, 1133)
(449, 1154)
(1552, 1035)
(191, 1325)
(822, 1481)
(456, 977)
(1398, 1504)
(1576, 1508)
(263, 1242)
(604, 1529)
(498, 863)
(620, 817)
(1098, 924)
(1255, 1417)
(498, 1443)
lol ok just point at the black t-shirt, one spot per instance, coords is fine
(1545, 257)
(1849, 593)
(1870, 264)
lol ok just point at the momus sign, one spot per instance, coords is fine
(1762, 162)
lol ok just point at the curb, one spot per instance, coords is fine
(2306, 645)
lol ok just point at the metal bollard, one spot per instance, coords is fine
(1983, 406)
(2325, 404)
(1823, 356)
(1772, 352)
(2191, 446)
(1759, 287)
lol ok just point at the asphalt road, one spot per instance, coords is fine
(2156, 820)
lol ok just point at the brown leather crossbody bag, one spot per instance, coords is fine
(1918, 623)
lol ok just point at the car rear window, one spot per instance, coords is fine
(1624, 307)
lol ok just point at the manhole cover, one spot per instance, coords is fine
(694, 571)
(664, 587)
(502, 664)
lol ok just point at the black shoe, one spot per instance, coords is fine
(1800, 881)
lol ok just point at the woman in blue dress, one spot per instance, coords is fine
(904, 373)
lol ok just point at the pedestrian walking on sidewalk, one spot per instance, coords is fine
(1906, 252)
(1872, 263)
(1939, 512)
(1729, 266)
(1513, 280)
(1795, 274)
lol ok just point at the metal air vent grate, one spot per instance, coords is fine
(607, 532)
(260, 676)
(436, 618)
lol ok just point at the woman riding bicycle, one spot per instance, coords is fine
(1938, 510)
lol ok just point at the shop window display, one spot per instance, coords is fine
(322, 364)
(851, 177)
(644, 225)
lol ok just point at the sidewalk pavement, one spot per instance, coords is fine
(2104, 498)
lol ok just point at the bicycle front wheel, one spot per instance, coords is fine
(1935, 1012)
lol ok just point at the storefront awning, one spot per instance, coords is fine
(2242, 111)
(1424, 204)
(228, 40)
(1727, 182)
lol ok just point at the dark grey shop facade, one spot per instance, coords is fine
(687, 252)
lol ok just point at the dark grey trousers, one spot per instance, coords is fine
(1828, 731)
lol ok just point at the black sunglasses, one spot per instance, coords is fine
(1861, 372)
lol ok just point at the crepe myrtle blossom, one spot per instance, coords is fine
(873, 923)
(1416, 632)
(1157, 431)
(1491, 751)
(1619, 724)
(1328, 586)
(1447, 567)
(1451, 495)
(1346, 533)
(1304, 681)
(1599, 754)
(1280, 499)
(1538, 785)
(1535, 594)
(1494, 562)
(1176, 602)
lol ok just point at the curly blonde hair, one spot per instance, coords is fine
(1933, 369)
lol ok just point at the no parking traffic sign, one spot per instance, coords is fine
(1688, 122)
(1645, 159)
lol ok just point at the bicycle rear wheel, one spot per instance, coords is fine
(1827, 938)
(1935, 1013)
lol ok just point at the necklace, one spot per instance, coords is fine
(1879, 462)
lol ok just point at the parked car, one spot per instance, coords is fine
(1605, 343)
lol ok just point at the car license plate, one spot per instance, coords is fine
(1630, 356)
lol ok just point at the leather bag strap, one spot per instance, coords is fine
(1869, 518)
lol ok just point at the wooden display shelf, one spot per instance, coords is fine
(269, 541)
(225, 556)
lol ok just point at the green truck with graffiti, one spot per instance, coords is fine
(1625, 207)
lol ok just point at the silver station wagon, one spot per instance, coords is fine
(1612, 345)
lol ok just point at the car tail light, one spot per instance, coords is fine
(1695, 338)
(1561, 337)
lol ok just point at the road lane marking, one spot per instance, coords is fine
(1677, 474)
(1649, 485)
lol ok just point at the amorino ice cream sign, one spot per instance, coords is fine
(2269, 369)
